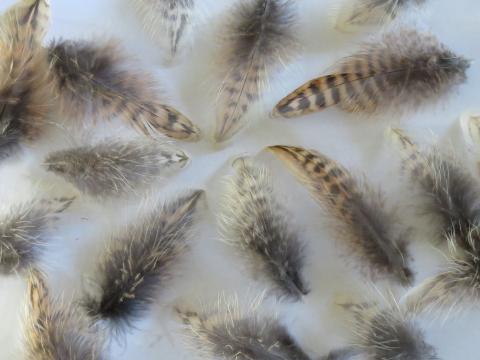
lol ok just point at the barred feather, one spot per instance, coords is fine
(449, 190)
(113, 168)
(403, 68)
(138, 262)
(362, 221)
(169, 22)
(94, 79)
(260, 38)
(226, 333)
(259, 228)
(23, 233)
(55, 330)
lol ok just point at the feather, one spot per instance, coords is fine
(404, 68)
(362, 221)
(260, 38)
(341, 354)
(353, 13)
(228, 333)
(55, 330)
(23, 233)
(450, 192)
(113, 167)
(138, 262)
(169, 22)
(258, 226)
(95, 77)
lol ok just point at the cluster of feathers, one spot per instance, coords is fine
(83, 80)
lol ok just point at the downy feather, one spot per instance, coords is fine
(169, 22)
(95, 79)
(138, 262)
(362, 222)
(113, 168)
(259, 39)
(403, 68)
(23, 233)
(259, 227)
(55, 330)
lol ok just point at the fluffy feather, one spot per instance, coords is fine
(403, 68)
(259, 39)
(113, 168)
(226, 333)
(258, 226)
(362, 221)
(94, 79)
(55, 330)
(138, 262)
(169, 22)
(23, 233)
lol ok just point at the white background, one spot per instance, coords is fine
(211, 268)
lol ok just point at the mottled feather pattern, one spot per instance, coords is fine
(113, 168)
(169, 22)
(94, 79)
(259, 227)
(362, 222)
(259, 40)
(139, 261)
(402, 69)
(228, 333)
(55, 330)
(23, 233)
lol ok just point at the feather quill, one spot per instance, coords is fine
(259, 40)
(94, 79)
(228, 333)
(137, 263)
(403, 68)
(363, 223)
(23, 232)
(55, 330)
(169, 22)
(114, 168)
(257, 225)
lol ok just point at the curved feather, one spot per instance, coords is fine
(362, 221)
(27, 19)
(403, 68)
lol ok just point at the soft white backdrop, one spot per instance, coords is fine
(211, 268)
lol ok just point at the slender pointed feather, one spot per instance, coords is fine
(401, 69)
(94, 79)
(260, 39)
(257, 225)
(55, 330)
(23, 233)
(138, 262)
(363, 223)
(114, 168)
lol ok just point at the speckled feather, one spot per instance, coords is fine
(402, 69)
(94, 79)
(259, 227)
(260, 39)
(115, 168)
(362, 222)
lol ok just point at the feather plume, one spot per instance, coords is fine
(138, 262)
(362, 221)
(55, 330)
(95, 80)
(259, 40)
(169, 22)
(23, 233)
(228, 333)
(449, 190)
(403, 68)
(114, 167)
(258, 226)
